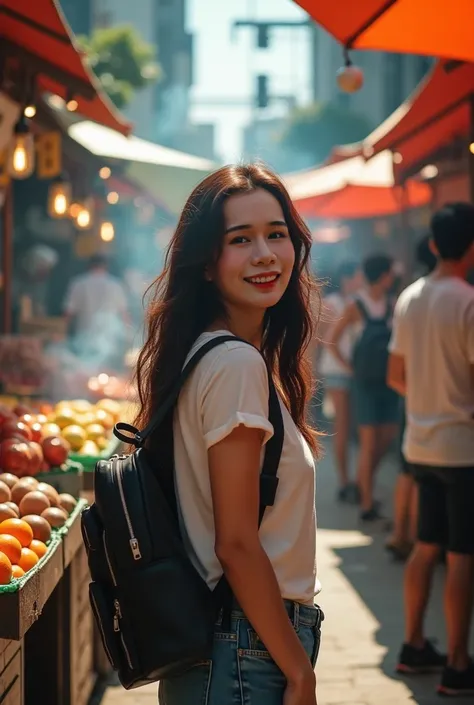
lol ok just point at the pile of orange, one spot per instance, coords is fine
(19, 550)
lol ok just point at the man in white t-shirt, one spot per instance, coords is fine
(432, 364)
(96, 304)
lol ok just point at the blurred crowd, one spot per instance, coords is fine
(397, 370)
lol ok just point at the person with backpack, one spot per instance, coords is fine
(432, 366)
(377, 406)
(228, 325)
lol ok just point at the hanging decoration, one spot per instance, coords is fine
(21, 153)
(350, 78)
(48, 147)
(107, 231)
(59, 197)
(83, 215)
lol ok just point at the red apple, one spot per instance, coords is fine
(21, 410)
(55, 450)
(41, 418)
(15, 457)
(16, 429)
(28, 419)
(5, 414)
(36, 458)
(36, 431)
(45, 467)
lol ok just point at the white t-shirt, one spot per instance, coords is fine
(433, 330)
(228, 388)
(95, 298)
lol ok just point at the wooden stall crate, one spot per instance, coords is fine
(79, 672)
(11, 672)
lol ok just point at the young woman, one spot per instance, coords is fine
(238, 264)
(337, 379)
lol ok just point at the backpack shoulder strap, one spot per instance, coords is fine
(362, 309)
(268, 479)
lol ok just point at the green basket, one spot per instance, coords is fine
(56, 538)
(88, 462)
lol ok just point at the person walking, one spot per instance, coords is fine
(432, 364)
(238, 264)
(336, 378)
(377, 406)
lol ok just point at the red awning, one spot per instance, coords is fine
(432, 118)
(37, 31)
(354, 202)
(429, 27)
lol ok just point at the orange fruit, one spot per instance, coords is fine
(19, 529)
(38, 547)
(5, 569)
(17, 572)
(11, 547)
(28, 559)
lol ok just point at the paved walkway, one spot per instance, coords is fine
(363, 604)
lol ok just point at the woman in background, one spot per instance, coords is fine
(336, 379)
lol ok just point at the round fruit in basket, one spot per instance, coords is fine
(5, 492)
(15, 456)
(22, 487)
(55, 516)
(28, 559)
(17, 572)
(7, 512)
(50, 429)
(50, 493)
(38, 547)
(34, 503)
(19, 529)
(90, 448)
(55, 450)
(40, 526)
(11, 547)
(8, 478)
(5, 569)
(95, 431)
(110, 406)
(16, 429)
(67, 502)
(105, 419)
(75, 435)
(65, 417)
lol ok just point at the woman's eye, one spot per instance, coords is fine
(277, 235)
(238, 240)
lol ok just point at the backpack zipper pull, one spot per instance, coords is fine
(134, 545)
(117, 615)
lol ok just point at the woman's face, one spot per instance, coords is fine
(257, 256)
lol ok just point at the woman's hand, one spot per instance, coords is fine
(301, 691)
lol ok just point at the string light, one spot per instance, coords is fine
(107, 232)
(105, 172)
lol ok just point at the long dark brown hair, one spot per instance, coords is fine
(184, 304)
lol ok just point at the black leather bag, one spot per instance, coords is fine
(155, 613)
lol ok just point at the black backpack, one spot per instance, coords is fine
(370, 358)
(155, 613)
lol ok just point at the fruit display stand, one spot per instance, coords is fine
(46, 626)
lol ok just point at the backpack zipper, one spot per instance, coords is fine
(108, 560)
(134, 545)
(117, 618)
(99, 621)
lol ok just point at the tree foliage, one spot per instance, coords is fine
(317, 128)
(122, 61)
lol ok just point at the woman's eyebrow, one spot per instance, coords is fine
(246, 226)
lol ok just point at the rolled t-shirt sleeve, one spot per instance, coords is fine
(234, 392)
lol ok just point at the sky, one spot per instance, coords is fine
(226, 67)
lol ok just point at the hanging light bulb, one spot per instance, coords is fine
(59, 197)
(83, 216)
(350, 78)
(21, 156)
(29, 111)
(107, 232)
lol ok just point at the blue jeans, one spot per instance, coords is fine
(241, 671)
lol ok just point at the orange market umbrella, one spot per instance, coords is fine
(438, 112)
(429, 27)
(353, 189)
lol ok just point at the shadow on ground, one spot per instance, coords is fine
(377, 578)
